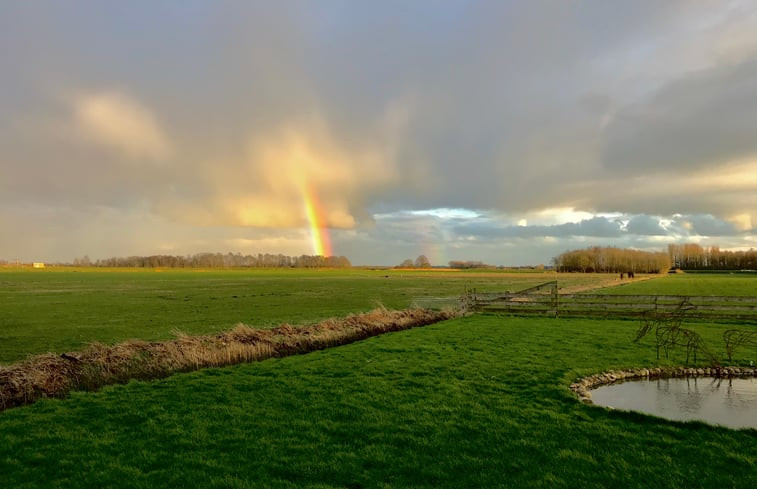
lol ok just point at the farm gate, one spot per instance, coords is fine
(545, 300)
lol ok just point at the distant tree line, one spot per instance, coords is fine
(692, 256)
(464, 265)
(219, 260)
(612, 260)
(421, 262)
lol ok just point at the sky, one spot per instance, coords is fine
(496, 131)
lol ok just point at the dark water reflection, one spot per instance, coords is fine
(727, 402)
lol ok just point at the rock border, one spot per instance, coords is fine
(583, 387)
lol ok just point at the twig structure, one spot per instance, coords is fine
(738, 337)
(669, 333)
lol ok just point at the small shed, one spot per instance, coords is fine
(38, 264)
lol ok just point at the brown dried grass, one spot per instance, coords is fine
(51, 375)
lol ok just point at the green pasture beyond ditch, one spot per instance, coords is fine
(481, 401)
(62, 310)
(692, 284)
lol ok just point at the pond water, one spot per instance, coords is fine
(730, 402)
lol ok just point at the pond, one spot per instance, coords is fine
(730, 402)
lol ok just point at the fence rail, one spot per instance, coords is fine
(544, 300)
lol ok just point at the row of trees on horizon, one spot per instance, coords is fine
(612, 260)
(689, 256)
(218, 260)
(695, 257)
(421, 262)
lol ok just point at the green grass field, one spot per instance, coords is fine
(64, 310)
(475, 402)
(693, 284)
(481, 401)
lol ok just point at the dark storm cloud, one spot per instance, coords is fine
(706, 225)
(645, 225)
(599, 227)
(214, 114)
(705, 119)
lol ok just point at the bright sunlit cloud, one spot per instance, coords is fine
(559, 215)
(743, 222)
(119, 122)
(730, 177)
(445, 213)
(280, 172)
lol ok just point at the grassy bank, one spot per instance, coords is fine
(51, 375)
(475, 402)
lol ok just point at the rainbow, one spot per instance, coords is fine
(319, 233)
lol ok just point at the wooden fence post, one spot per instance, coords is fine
(555, 300)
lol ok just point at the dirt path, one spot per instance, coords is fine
(615, 281)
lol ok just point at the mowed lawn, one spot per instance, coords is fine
(63, 310)
(481, 401)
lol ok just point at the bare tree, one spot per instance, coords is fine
(422, 262)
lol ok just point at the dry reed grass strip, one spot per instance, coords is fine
(51, 375)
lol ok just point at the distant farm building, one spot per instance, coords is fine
(38, 264)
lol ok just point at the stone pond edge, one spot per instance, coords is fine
(583, 386)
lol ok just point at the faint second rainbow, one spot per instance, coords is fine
(319, 233)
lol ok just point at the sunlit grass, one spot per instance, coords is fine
(481, 401)
(476, 402)
(62, 310)
(693, 284)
